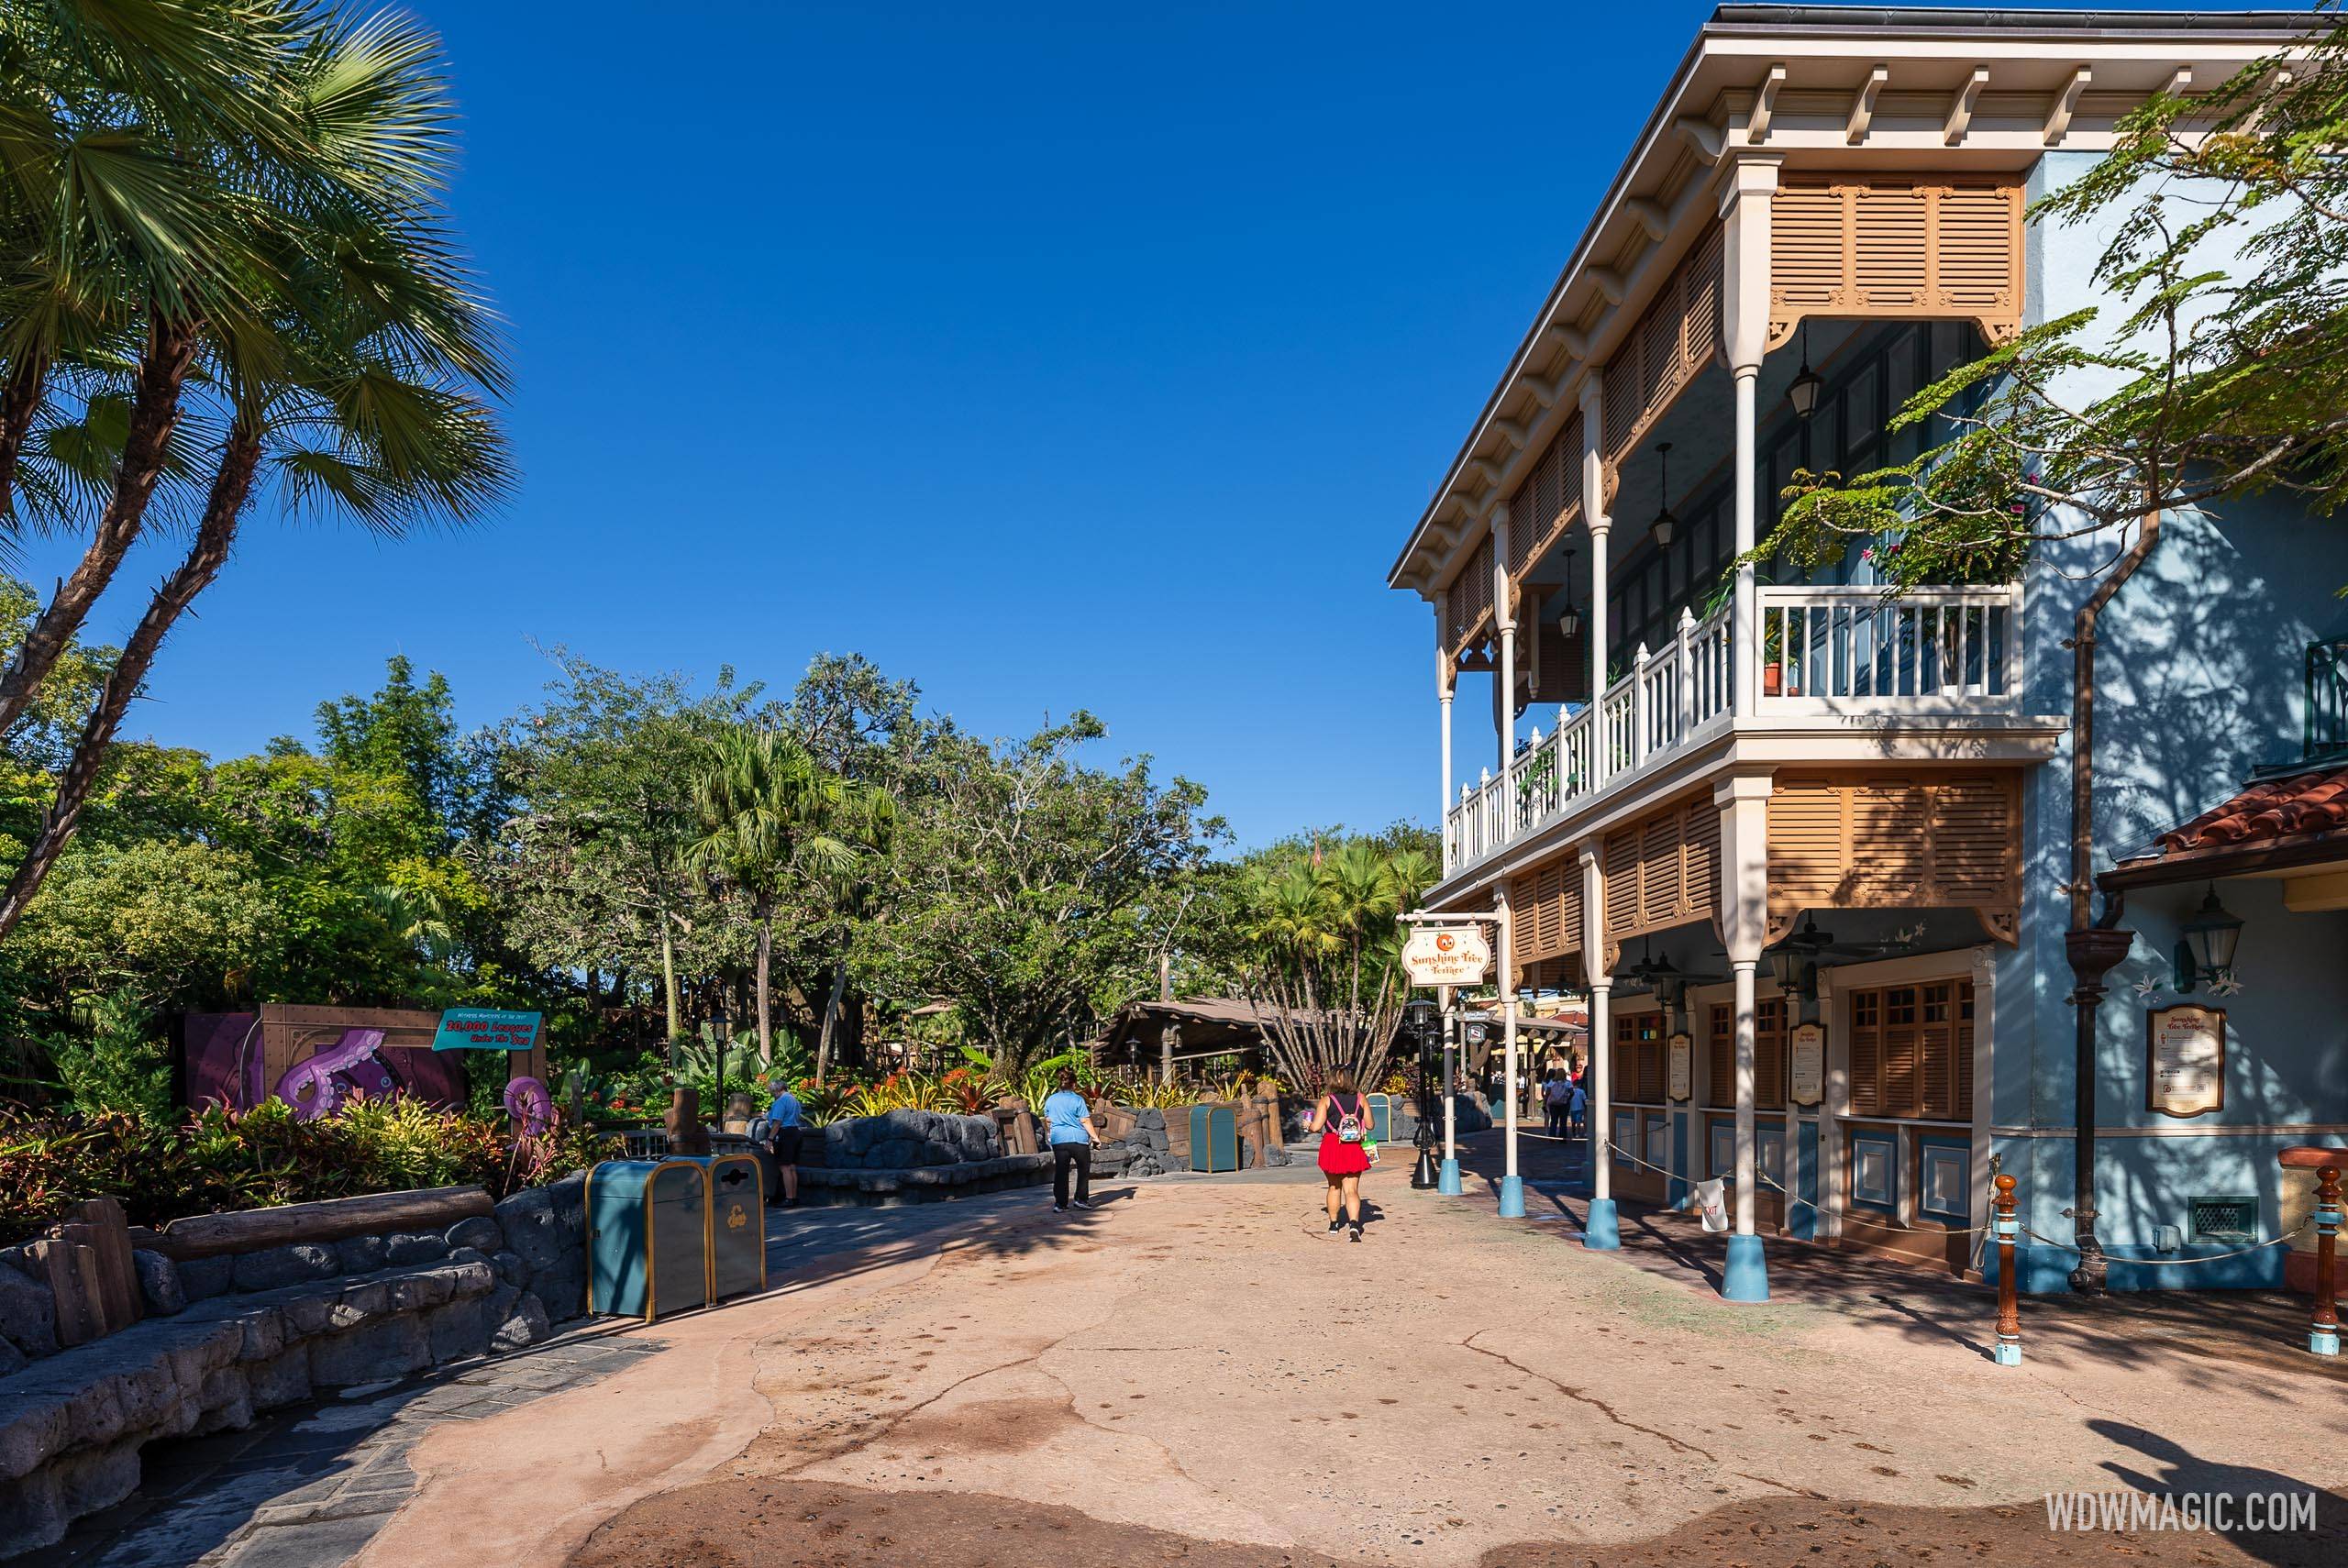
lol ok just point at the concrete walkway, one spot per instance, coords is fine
(1194, 1370)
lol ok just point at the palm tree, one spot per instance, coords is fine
(1325, 944)
(764, 805)
(350, 376)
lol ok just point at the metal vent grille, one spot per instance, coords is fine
(2224, 1218)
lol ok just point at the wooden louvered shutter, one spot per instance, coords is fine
(1935, 1050)
(1569, 907)
(1901, 1031)
(1621, 882)
(1701, 859)
(1892, 230)
(1626, 1064)
(1808, 248)
(1974, 837)
(1659, 877)
(1889, 850)
(1961, 1101)
(1977, 249)
(1866, 1052)
(1807, 839)
(1769, 1055)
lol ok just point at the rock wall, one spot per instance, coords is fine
(904, 1140)
(226, 1337)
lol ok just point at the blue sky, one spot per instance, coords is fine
(1055, 356)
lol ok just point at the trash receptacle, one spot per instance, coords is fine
(1214, 1138)
(737, 1225)
(1381, 1118)
(648, 1237)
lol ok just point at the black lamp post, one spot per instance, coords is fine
(2206, 950)
(721, 1026)
(1424, 1023)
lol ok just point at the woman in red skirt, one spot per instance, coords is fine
(1342, 1118)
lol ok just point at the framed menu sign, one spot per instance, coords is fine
(1806, 1053)
(2185, 1060)
(1682, 1048)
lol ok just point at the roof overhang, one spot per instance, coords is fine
(1892, 88)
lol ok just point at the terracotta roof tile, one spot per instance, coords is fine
(2314, 802)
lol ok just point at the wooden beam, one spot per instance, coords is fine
(2066, 104)
(332, 1220)
(1863, 110)
(1756, 128)
(1960, 113)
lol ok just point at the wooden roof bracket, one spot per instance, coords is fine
(2066, 104)
(1863, 109)
(1960, 112)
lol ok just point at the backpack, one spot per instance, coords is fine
(1348, 1121)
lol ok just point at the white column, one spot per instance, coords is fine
(1504, 619)
(1445, 682)
(1744, 801)
(1745, 193)
(1601, 1026)
(1834, 1110)
(1601, 526)
(1511, 1185)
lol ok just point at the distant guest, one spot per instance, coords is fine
(1068, 1120)
(785, 1128)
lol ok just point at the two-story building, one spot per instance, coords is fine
(1805, 845)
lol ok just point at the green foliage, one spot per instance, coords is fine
(220, 1160)
(117, 1063)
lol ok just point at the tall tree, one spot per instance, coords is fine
(348, 350)
(765, 809)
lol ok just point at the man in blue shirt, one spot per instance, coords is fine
(1068, 1127)
(785, 1130)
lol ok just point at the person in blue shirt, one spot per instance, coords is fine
(1068, 1124)
(785, 1128)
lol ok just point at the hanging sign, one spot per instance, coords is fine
(2185, 1066)
(1447, 956)
(485, 1029)
(1807, 1048)
(1678, 1082)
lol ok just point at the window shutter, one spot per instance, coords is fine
(1972, 838)
(1621, 882)
(1807, 837)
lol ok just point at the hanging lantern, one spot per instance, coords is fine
(1665, 525)
(1808, 384)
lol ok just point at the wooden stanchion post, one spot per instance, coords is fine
(2008, 1229)
(2323, 1329)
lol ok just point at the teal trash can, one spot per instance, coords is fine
(738, 1223)
(1381, 1118)
(648, 1237)
(1214, 1138)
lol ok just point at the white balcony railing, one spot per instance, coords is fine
(1826, 651)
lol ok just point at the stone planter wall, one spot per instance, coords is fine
(228, 1337)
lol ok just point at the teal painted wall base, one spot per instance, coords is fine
(2047, 1271)
(1746, 1278)
(1602, 1227)
(1511, 1198)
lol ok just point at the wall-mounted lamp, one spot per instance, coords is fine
(2204, 950)
(1807, 384)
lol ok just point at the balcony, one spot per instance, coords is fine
(1832, 657)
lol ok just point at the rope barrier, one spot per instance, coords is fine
(1849, 1218)
(2170, 1263)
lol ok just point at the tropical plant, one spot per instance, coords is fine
(766, 811)
(310, 290)
(1321, 951)
(115, 1062)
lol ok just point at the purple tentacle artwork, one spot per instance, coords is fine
(320, 1086)
(531, 1105)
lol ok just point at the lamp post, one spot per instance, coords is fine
(721, 1027)
(1424, 1021)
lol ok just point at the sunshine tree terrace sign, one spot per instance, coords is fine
(1447, 956)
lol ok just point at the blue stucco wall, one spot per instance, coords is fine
(2198, 684)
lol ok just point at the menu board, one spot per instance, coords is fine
(1682, 1057)
(2185, 1068)
(1806, 1072)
